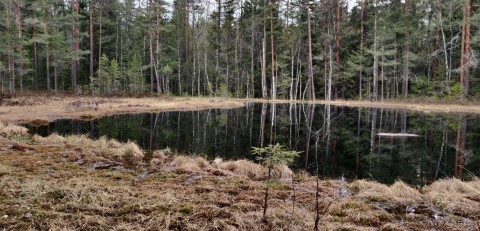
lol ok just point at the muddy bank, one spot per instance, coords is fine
(74, 182)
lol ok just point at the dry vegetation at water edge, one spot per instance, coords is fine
(74, 182)
(40, 109)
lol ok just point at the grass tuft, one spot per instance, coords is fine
(102, 148)
(51, 139)
(455, 196)
(244, 168)
(188, 164)
(9, 130)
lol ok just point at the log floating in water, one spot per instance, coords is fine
(398, 135)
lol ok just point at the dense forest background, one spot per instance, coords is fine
(376, 49)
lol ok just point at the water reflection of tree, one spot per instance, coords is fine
(447, 147)
(460, 148)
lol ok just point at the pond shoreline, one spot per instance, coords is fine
(40, 109)
(43, 109)
(74, 182)
(427, 106)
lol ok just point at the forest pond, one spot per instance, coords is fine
(344, 141)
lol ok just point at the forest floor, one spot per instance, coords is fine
(73, 182)
(76, 183)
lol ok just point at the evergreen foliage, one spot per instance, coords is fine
(373, 49)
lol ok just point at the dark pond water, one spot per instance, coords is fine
(343, 141)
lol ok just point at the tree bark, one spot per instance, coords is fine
(375, 61)
(90, 9)
(274, 80)
(100, 30)
(217, 37)
(20, 45)
(11, 68)
(310, 64)
(337, 33)
(150, 46)
(362, 42)
(35, 60)
(466, 64)
(47, 52)
(157, 45)
(406, 59)
(74, 45)
(264, 60)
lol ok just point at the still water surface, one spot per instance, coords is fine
(344, 141)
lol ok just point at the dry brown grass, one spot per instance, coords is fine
(92, 150)
(158, 159)
(188, 164)
(398, 193)
(455, 196)
(252, 170)
(47, 108)
(51, 139)
(47, 188)
(9, 130)
(244, 168)
(411, 105)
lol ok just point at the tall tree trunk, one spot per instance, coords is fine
(217, 39)
(74, 45)
(436, 60)
(187, 30)
(466, 63)
(47, 52)
(20, 45)
(362, 44)
(152, 64)
(90, 9)
(337, 33)
(35, 60)
(157, 45)
(445, 51)
(311, 94)
(274, 80)
(252, 55)
(406, 58)
(100, 30)
(11, 69)
(330, 73)
(382, 74)
(264, 59)
(375, 61)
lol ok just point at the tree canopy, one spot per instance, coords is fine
(373, 49)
